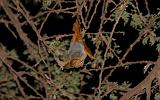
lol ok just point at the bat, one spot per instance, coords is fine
(78, 50)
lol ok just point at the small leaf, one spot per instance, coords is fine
(146, 68)
(145, 40)
(158, 47)
(151, 40)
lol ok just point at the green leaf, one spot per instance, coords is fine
(158, 47)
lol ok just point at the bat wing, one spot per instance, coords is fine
(77, 42)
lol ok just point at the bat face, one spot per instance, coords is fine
(75, 62)
(78, 51)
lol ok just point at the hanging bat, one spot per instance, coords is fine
(78, 50)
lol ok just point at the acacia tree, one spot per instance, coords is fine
(123, 36)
